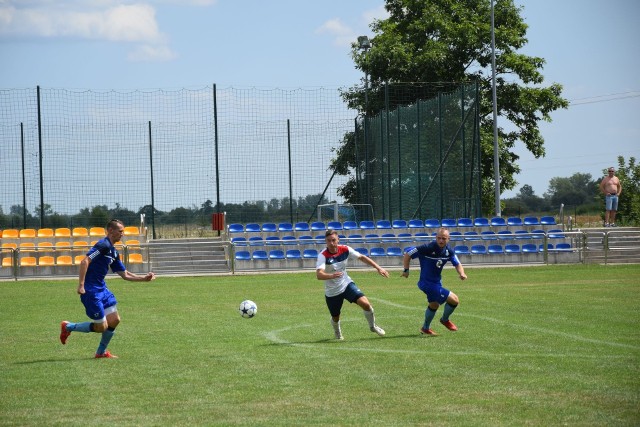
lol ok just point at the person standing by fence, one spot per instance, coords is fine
(611, 187)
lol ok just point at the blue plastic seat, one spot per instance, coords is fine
(531, 220)
(505, 235)
(305, 239)
(461, 250)
(243, 255)
(272, 241)
(310, 253)
(514, 221)
(252, 227)
(537, 234)
(522, 234)
(481, 222)
(259, 255)
(389, 237)
(293, 254)
(269, 227)
(285, 227)
(289, 240)
(422, 237)
(399, 223)
(239, 241)
(471, 235)
(498, 222)
(449, 222)
(383, 224)
(489, 235)
(334, 225)
(549, 247)
(256, 241)
(394, 251)
(318, 226)
(301, 226)
(555, 234)
(529, 248)
(405, 237)
(350, 225)
(465, 222)
(367, 225)
(354, 238)
(377, 252)
(495, 249)
(276, 254)
(478, 249)
(236, 228)
(512, 248)
(319, 239)
(455, 236)
(416, 223)
(372, 238)
(363, 251)
(432, 223)
(547, 220)
(563, 247)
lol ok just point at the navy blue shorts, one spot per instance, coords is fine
(435, 293)
(98, 304)
(351, 294)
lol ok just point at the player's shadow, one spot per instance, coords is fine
(333, 341)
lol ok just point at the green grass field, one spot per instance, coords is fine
(555, 345)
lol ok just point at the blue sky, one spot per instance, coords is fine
(591, 48)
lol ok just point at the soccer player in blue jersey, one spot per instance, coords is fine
(433, 256)
(331, 267)
(99, 302)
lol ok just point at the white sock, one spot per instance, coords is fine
(336, 327)
(370, 317)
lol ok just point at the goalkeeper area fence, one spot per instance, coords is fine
(175, 157)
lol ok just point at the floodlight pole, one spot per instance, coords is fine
(496, 154)
(364, 44)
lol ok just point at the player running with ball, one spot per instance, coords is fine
(433, 257)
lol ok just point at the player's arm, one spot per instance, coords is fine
(406, 262)
(461, 273)
(82, 274)
(373, 264)
(132, 277)
(323, 275)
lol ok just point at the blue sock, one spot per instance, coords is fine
(448, 309)
(429, 314)
(106, 338)
(79, 327)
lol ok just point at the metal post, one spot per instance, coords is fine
(24, 182)
(153, 204)
(215, 136)
(496, 154)
(290, 172)
(40, 160)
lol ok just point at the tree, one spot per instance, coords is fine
(577, 190)
(629, 203)
(450, 41)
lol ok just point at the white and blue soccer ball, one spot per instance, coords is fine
(248, 309)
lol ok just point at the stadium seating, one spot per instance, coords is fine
(529, 248)
(541, 248)
(28, 261)
(78, 259)
(449, 223)
(456, 236)
(478, 249)
(318, 226)
(9, 245)
(471, 235)
(394, 251)
(512, 249)
(405, 237)
(464, 222)
(334, 225)
(350, 225)
(363, 251)
(383, 224)
(135, 259)
(563, 247)
(514, 221)
(289, 240)
(256, 241)
(488, 235)
(62, 232)
(97, 232)
(252, 227)
(64, 260)
(285, 227)
(80, 232)
(243, 255)
(481, 222)
(416, 223)
(301, 227)
(276, 254)
(259, 255)
(233, 228)
(461, 250)
(27, 233)
(45, 233)
(269, 227)
(498, 222)
(310, 253)
(45, 246)
(272, 241)
(531, 220)
(495, 249)
(46, 260)
(131, 230)
(399, 224)
(422, 237)
(377, 252)
(555, 234)
(547, 220)
(293, 254)
(367, 225)
(10, 233)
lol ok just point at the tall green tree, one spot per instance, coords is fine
(629, 203)
(450, 41)
(580, 189)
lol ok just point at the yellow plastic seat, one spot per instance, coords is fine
(27, 247)
(78, 259)
(45, 246)
(7, 262)
(63, 232)
(64, 260)
(63, 246)
(10, 233)
(135, 259)
(45, 232)
(27, 233)
(80, 232)
(9, 246)
(131, 231)
(46, 260)
(97, 231)
(28, 261)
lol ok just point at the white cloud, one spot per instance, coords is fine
(343, 34)
(151, 53)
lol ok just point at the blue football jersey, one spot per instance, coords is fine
(103, 254)
(432, 260)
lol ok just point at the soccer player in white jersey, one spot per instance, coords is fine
(99, 302)
(433, 256)
(331, 267)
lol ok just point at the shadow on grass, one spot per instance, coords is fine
(333, 341)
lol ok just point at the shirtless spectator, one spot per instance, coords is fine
(610, 186)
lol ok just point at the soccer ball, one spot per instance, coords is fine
(248, 309)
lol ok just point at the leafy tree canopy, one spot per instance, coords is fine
(450, 41)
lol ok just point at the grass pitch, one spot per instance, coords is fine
(554, 345)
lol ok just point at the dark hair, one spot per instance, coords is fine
(112, 223)
(329, 232)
